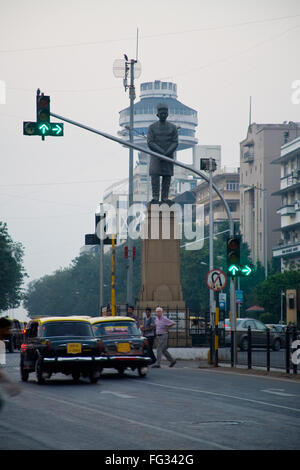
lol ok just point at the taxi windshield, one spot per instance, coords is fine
(120, 328)
(66, 328)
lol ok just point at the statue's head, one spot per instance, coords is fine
(162, 111)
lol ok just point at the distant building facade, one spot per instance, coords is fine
(258, 180)
(288, 247)
(228, 181)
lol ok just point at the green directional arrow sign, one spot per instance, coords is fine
(57, 129)
(44, 129)
(233, 269)
(246, 270)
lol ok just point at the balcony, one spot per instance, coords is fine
(287, 249)
(289, 209)
(248, 156)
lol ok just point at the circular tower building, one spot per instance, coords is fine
(145, 110)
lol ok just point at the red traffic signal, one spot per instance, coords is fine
(233, 251)
(125, 251)
(134, 252)
(42, 109)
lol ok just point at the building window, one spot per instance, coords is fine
(164, 86)
(232, 206)
(260, 241)
(156, 85)
(232, 186)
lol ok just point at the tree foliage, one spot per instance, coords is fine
(12, 272)
(269, 291)
(75, 289)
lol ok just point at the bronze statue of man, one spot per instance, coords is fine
(162, 138)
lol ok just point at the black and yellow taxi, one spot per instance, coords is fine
(123, 344)
(64, 345)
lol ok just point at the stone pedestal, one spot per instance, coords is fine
(161, 260)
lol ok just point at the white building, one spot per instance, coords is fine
(288, 248)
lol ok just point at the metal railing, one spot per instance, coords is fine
(266, 350)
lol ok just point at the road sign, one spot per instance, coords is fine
(239, 295)
(222, 301)
(216, 279)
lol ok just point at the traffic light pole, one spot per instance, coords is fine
(211, 244)
(174, 162)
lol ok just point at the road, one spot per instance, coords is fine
(173, 408)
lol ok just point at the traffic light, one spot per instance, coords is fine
(43, 114)
(205, 164)
(233, 255)
(43, 127)
(126, 252)
(134, 252)
(30, 128)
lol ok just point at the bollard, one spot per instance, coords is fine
(232, 348)
(211, 339)
(287, 350)
(268, 350)
(295, 366)
(249, 348)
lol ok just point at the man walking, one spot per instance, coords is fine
(148, 329)
(162, 329)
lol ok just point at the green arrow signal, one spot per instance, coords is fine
(233, 269)
(43, 128)
(246, 270)
(57, 129)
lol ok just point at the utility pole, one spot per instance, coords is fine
(101, 265)
(113, 277)
(130, 189)
(211, 242)
(121, 68)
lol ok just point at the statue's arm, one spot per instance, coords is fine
(174, 144)
(152, 144)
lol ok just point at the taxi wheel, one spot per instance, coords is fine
(76, 376)
(24, 373)
(143, 371)
(11, 347)
(39, 371)
(121, 371)
(93, 378)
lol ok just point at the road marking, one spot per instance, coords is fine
(221, 395)
(278, 391)
(117, 394)
(132, 421)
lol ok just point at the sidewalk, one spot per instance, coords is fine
(198, 358)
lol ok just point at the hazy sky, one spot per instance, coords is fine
(218, 52)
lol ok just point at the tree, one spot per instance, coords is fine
(12, 272)
(269, 291)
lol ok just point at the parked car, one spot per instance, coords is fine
(258, 334)
(60, 344)
(122, 344)
(16, 336)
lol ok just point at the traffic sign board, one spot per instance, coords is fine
(216, 279)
